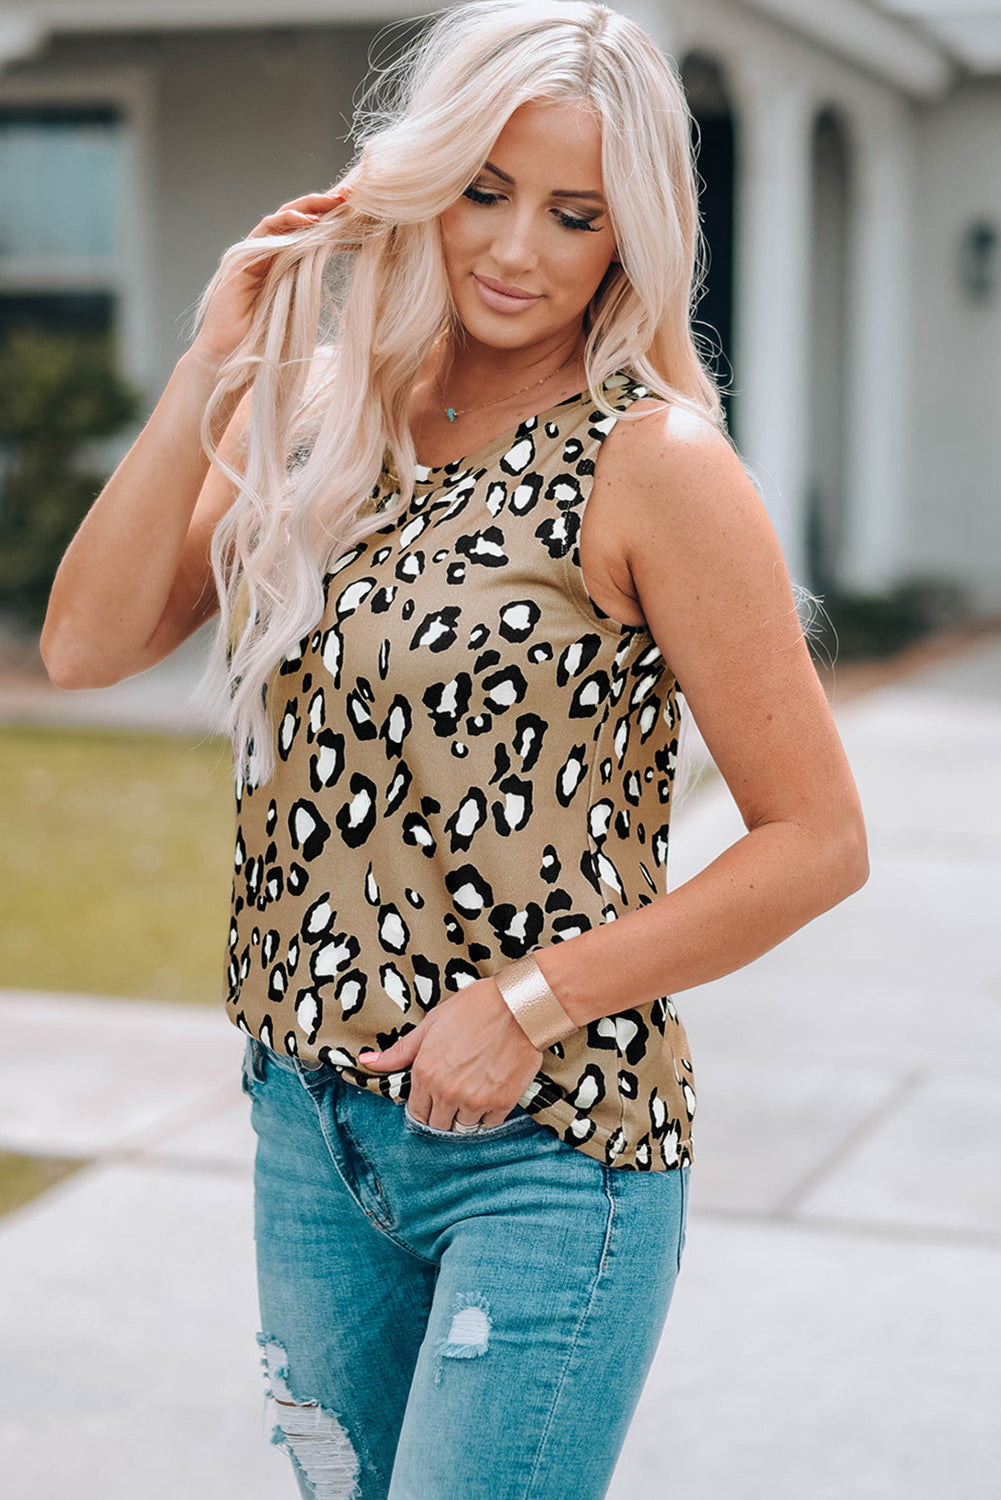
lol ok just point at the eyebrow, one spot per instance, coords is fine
(488, 166)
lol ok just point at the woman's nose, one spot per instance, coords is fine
(514, 247)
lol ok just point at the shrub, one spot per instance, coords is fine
(866, 627)
(57, 392)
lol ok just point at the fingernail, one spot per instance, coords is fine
(367, 1053)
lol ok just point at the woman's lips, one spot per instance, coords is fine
(501, 300)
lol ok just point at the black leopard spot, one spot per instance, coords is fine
(308, 831)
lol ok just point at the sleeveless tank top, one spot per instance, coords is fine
(473, 760)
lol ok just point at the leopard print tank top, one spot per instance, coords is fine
(473, 760)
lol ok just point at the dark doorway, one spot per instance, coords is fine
(713, 138)
(829, 321)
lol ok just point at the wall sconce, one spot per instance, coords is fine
(979, 257)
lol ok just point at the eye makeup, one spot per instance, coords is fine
(569, 221)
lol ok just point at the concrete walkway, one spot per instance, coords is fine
(835, 1331)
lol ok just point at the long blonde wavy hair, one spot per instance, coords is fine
(353, 305)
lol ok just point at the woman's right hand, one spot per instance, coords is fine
(230, 312)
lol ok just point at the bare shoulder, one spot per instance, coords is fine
(681, 491)
(659, 446)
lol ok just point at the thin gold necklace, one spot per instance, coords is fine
(451, 412)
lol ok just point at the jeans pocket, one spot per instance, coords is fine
(517, 1120)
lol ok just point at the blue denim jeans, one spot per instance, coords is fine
(448, 1317)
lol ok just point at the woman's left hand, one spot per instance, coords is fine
(468, 1056)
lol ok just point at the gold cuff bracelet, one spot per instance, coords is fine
(533, 1004)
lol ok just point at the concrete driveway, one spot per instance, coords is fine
(835, 1331)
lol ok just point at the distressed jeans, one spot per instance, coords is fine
(448, 1317)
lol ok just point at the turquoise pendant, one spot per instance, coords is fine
(450, 413)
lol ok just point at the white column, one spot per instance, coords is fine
(879, 354)
(771, 334)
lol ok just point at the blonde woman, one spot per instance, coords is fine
(472, 523)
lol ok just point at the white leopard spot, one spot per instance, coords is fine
(517, 616)
(358, 807)
(320, 917)
(468, 818)
(643, 687)
(349, 994)
(648, 717)
(599, 818)
(521, 454)
(330, 958)
(395, 987)
(326, 762)
(412, 531)
(306, 1012)
(304, 825)
(514, 809)
(516, 927)
(393, 930)
(504, 692)
(625, 1033)
(435, 630)
(587, 1094)
(468, 898)
(331, 657)
(424, 988)
(349, 599)
(287, 732)
(573, 658)
(449, 698)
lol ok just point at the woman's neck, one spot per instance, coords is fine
(457, 380)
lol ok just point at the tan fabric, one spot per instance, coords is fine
(473, 761)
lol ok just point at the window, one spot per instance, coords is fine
(61, 186)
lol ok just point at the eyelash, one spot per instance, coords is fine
(477, 195)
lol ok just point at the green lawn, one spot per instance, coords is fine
(115, 862)
(25, 1177)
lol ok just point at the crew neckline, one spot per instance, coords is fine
(423, 473)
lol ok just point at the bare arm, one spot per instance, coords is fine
(713, 586)
(135, 579)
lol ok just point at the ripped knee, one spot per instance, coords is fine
(469, 1331)
(312, 1436)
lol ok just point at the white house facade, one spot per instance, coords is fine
(851, 154)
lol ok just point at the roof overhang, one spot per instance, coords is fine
(969, 29)
(910, 59)
(26, 25)
(880, 43)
